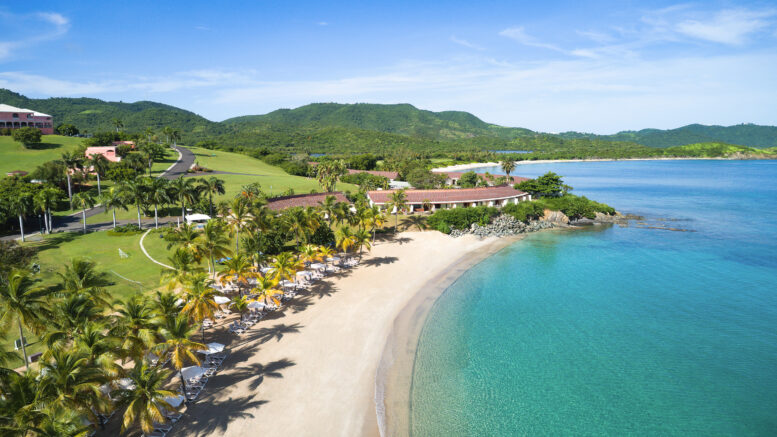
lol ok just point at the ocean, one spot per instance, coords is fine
(667, 326)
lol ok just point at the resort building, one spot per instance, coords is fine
(12, 117)
(461, 198)
(303, 200)
(453, 177)
(109, 152)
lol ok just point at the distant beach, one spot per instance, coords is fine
(473, 165)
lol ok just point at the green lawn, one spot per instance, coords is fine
(13, 156)
(57, 249)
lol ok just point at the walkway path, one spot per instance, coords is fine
(143, 248)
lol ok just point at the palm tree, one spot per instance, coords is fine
(166, 305)
(100, 349)
(135, 192)
(396, 204)
(134, 324)
(157, 192)
(415, 220)
(81, 274)
(145, 400)
(72, 161)
(239, 215)
(377, 220)
(148, 133)
(285, 266)
(70, 317)
(185, 236)
(185, 190)
(111, 199)
(240, 304)
(117, 123)
(177, 345)
(344, 239)
(265, 289)
(329, 208)
(362, 239)
(213, 242)
(200, 300)
(67, 380)
(167, 131)
(212, 185)
(24, 303)
(21, 205)
(238, 270)
(58, 421)
(310, 253)
(84, 201)
(508, 167)
(19, 412)
(325, 253)
(44, 200)
(183, 265)
(99, 164)
(175, 135)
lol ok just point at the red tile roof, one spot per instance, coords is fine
(458, 174)
(450, 195)
(385, 174)
(280, 203)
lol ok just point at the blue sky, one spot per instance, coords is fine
(587, 66)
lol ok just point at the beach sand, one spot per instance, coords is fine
(474, 165)
(311, 368)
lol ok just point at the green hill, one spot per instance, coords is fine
(95, 115)
(363, 127)
(750, 135)
(402, 119)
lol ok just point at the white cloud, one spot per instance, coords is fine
(465, 43)
(323, 23)
(519, 34)
(732, 27)
(55, 25)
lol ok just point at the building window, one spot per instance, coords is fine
(16, 116)
(29, 115)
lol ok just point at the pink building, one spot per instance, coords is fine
(14, 118)
(109, 152)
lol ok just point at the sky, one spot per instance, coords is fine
(549, 66)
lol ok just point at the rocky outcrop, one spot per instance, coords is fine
(557, 217)
(503, 226)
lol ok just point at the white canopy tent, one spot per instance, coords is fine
(221, 300)
(197, 218)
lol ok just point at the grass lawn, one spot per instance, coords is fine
(13, 156)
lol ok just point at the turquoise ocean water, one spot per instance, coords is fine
(617, 330)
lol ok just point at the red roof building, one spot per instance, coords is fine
(304, 200)
(454, 198)
(452, 177)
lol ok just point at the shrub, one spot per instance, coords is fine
(28, 136)
(296, 168)
(323, 236)
(125, 230)
(461, 218)
(524, 211)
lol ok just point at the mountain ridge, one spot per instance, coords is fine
(391, 123)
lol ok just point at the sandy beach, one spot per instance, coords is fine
(311, 368)
(470, 166)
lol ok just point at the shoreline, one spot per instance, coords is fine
(473, 165)
(313, 365)
(393, 379)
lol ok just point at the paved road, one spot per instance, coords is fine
(73, 222)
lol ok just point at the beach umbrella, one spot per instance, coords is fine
(174, 401)
(125, 383)
(221, 300)
(192, 372)
(256, 305)
(215, 348)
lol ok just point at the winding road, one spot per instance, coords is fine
(72, 223)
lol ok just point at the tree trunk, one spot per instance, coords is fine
(114, 218)
(24, 346)
(83, 214)
(237, 241)
(21, 226)
(156, 220)
(210, 200)
(99, 189)
(183, 383)
(139, 225)
(69, 190)
(51, 223)
(183, 211)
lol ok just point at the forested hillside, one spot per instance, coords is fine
(358, 128)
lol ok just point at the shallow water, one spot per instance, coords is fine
(617, 330)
